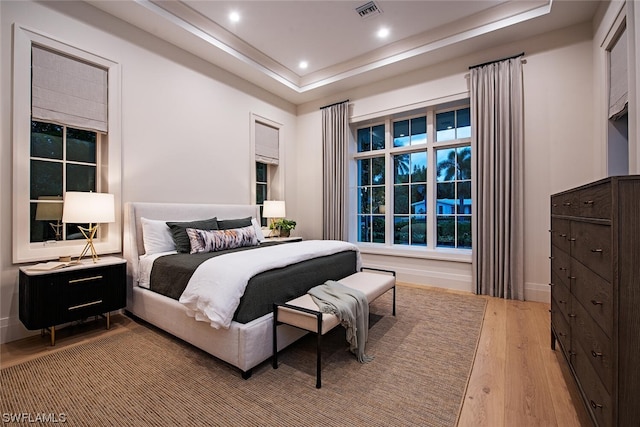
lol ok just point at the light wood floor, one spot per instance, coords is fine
(517, 380)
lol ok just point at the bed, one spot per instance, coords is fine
(247, 341)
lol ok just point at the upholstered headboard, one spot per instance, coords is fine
(133, 211)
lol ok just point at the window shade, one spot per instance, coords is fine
(267, 145)
(68, 91)
(618, 84)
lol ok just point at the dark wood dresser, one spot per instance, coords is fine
(595, 294)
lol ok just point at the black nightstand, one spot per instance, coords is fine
(54, 297)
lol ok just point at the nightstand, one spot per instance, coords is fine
(283, 239)
(53, 297)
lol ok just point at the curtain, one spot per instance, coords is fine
(68, 91)
(335, 138)
(498, 143)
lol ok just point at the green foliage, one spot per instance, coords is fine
(283, 224)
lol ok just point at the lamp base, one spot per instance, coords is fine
(89, 234)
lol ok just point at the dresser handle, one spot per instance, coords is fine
(573, 315)
(563, 235)
(596, 251)
(85, 279)
(551, 258)
(595, 405)
(567, 203)
(572, 239)
(562, 268)
(562, 302)
(588, 202)
(594, 302)
(571, 277)
(555, 205)
(89, 304)
(595, 354)
(552, 284)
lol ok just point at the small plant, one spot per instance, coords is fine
(283, 226)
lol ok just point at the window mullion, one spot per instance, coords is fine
(431, 181)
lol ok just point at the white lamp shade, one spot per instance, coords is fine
(273, 209)
(83, 207)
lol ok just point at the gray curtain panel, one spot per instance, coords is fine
(335, 139)
(498, 144)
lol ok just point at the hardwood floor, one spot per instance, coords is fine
(517, 380)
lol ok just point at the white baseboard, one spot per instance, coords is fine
(540, 292)
(11, 329)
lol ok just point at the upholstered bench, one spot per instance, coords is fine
(302, 312)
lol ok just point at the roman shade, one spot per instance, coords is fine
(618, 82)
(68, 91)
(267, 144)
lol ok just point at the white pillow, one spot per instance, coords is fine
(156, 236)
(258, 228)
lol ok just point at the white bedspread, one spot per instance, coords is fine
(215, 288)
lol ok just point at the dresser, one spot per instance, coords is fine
(54, 297)
(595, 294)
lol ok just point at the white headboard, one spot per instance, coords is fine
(133, 211)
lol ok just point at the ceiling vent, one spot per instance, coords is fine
(368, 10)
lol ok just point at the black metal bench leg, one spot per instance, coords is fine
(394, 300)
(274, 359)
(319, 353)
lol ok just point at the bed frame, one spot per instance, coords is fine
(242, 345)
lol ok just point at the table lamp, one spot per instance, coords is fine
(273, 209)
(91, 208)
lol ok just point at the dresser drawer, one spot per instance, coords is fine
(592, 247)
(562, 297)
(560, 266)
(596, 344)
(561, 328)
(595, 202)
(595, 294)
(560, 233)
(597, 398)
(564, 204)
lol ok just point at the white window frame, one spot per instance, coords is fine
(431, 251)
(275, 173)
(109, 178)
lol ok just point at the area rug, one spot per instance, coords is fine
(423, 360)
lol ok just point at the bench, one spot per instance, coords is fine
(302, 312)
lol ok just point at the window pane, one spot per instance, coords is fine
(364, 168)
(364, 140)
(81, 178)
(377, 169)
(401, 199)
(45, 221)
(464, 232)
(364, 228)
(419, 166)
(378, 229)
(261, 172)
(463, 125)
(377, 137)
(46, 179)
(401, 136)
(446, 231)
(419, 130)
(447, 166)
(364, 201)
(445, 126)
(81, 145)
(464, 198)
(261, 193)
(419, 230)
(418, 199)
(401, 230)
(446, 198)
(46, 140)
(401, 168)
(377, 195)
(464, 162)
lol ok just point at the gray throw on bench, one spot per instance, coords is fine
(351, 307)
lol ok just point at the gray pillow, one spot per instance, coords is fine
(179, 231)
(228, 224)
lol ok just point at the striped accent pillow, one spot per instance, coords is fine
(219, 240)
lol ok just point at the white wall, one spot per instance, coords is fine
(560, 149)
(185, 123)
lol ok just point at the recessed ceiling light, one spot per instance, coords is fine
(303, 64)
(234, 17)
(383, 33)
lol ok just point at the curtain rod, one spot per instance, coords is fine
(335, 103)
(497, 60)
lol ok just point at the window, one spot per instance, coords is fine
(423, 162)
(62, 159)
(266, 169)
(262, 187)
(56, 154)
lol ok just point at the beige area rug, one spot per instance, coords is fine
(423, 360)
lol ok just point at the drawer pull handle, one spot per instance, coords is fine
(572, 315)
(555, 205)
(596, 251)
(563, 235)
(594, 302)
(85, 279)
(562, 268)
(588, 202)
(89, 304)
(571, 277)
(567, 203)
(572, 239)
(551, 258)
(562, 334)
(562, 302)
(595, 354)
(595, 405)
(552, 284)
